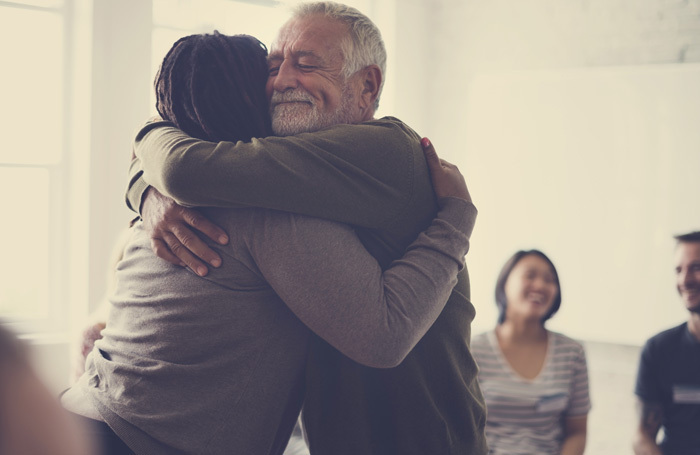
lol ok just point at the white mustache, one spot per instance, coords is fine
(290, 96)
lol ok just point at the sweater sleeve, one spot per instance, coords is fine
(360, 174)
(322, 272)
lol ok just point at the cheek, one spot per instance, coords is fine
(512, 289)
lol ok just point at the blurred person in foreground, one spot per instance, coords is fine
(335, 161)
(535, 381)
(668, 379)
(217, 365)
(32, 421)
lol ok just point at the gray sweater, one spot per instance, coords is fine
(216, 365)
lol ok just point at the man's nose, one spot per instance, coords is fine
(689, 278)
(684, 278)
(286, 77)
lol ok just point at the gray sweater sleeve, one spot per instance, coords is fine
(322, 272)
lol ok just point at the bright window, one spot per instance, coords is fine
(32, 159)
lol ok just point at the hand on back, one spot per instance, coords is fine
(172, 230)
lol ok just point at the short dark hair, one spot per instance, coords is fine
(501, 301)
(690, 237)
(212, 87)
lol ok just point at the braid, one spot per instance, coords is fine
(212, 86)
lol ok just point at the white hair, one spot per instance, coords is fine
(363, 46)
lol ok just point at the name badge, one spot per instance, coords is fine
(553, 403)
(686, 394)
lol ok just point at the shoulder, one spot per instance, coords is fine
(564, 340)
(393, 123)
(565, 344)
(481, 344)
(667, 338)
(481, 338)
(388, 130)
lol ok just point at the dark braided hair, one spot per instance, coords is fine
(212, 87)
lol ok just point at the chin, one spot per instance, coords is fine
(692, 305)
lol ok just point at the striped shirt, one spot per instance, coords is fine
(525, 416)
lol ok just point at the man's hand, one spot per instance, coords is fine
(447, 180)
(173, 239)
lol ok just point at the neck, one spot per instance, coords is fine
(367, 116)
(694, 325)
(521, 331)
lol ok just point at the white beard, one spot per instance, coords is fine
(303, 116)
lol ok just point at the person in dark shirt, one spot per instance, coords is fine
(668, 380)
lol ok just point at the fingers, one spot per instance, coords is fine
(434, 162)
(161, 249)
(430, 154)
(194, 245)
(199, 222)
(446, 178)
(176, 248)
(173, 237)
(447, 165)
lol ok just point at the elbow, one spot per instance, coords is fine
(380, 362)
(389, 361)
(383, 354)
(177, 183)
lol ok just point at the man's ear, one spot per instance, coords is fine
(371, 81)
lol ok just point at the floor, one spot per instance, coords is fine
(612, 371)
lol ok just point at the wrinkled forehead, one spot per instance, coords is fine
(311, 35)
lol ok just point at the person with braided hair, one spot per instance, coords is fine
(213, 87)
(217, 365)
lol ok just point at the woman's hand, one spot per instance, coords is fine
(447, 180)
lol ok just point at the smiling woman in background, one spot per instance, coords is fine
(535, 381)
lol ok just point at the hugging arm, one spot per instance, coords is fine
(364, 174)
(358, 174)
(322, 272)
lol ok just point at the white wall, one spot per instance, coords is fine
(120, 104)
(597, 167)
(575, 124)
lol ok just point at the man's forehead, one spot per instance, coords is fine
(310, 36)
